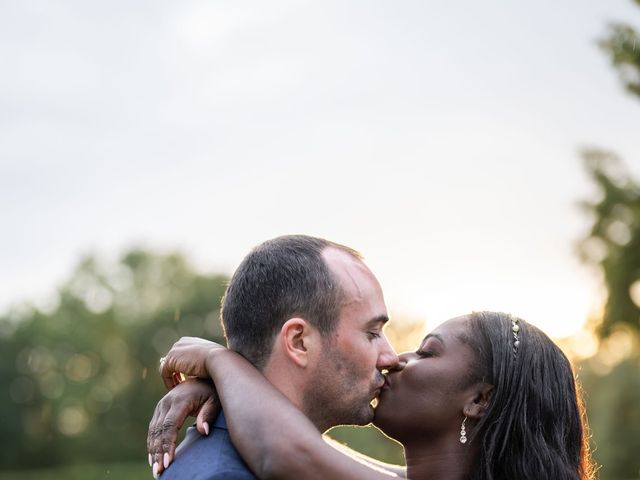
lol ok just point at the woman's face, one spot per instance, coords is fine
(429, 393)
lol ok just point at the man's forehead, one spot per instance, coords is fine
(335, 256)
(350, 271)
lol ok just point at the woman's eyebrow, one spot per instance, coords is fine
(433, 335)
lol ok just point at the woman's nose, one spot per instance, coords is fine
(403, 358)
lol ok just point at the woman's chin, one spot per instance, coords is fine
(379, 414)
(383, 418)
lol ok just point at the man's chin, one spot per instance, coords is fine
(364, 416)
(370, 413)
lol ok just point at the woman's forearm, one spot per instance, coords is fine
(272, 435)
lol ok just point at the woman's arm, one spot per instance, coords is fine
(272, 435)
(275, 438)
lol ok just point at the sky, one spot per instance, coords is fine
(441, 139)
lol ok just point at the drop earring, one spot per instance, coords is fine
(463, 432)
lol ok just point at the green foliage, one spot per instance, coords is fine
(614, 241)
(78, 382)
(107, 471)
(613, 244)
(612, 386)
(623, 46)
(611, 379)
(370, 441)
(612, 399)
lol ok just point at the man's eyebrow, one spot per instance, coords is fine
(376, 320)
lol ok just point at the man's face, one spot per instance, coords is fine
(347, 376)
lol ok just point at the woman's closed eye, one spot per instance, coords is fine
(431, 346)
(424, 353)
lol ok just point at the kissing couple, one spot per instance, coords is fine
(485, 396)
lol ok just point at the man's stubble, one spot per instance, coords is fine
(332, 397)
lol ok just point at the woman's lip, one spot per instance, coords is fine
(383, 387)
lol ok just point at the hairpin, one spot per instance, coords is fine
(515, 328)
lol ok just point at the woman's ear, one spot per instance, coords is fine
(479, 402)
(298, 340)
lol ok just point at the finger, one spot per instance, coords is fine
(207, 416)
(171, 425)
(178, 378)
(154, 441)
(154, 430)
(167, 372)
(149, 437)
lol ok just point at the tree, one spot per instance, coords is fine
(623, 46)
(79, 381)
(613, 243)
(611, 379)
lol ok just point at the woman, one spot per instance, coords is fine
(485, 396)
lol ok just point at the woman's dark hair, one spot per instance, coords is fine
(534, 426)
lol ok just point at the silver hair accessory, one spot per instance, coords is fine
(463, 432)
(515, 328)
(162, 359)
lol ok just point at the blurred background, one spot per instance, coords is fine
(481, 155)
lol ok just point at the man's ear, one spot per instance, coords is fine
(479, 401)
(298, 340)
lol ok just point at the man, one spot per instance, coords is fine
(309, 315)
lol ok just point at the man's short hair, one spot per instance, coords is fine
(282, 278)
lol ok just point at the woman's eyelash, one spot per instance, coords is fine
(423, 353)
(373, 335)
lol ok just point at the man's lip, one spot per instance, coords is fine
(382, 386)
(385, 385)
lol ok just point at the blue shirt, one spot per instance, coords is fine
(211, 457)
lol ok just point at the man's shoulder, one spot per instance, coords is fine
(209, 457)
(234, 474)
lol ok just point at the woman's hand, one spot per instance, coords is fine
(193, 397)
(188, 356)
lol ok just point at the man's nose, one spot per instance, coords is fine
(388, 359)
(403, 359)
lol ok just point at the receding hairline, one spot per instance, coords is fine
(341, 248)
(338, 259)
